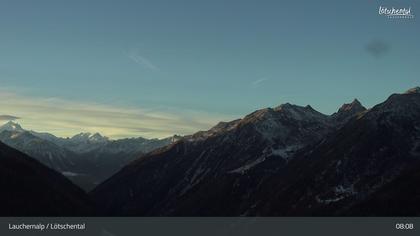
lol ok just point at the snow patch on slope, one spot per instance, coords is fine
(286, 152)
(243, 169)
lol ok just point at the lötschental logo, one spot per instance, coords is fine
(396, 13)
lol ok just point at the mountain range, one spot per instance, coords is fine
(86, 159)
(284, 161)
(288, 160)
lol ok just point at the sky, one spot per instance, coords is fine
(158, 68)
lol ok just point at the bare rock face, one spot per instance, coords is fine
(347, 111)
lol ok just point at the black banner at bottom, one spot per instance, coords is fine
(211, 226)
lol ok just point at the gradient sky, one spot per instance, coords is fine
(155, 68)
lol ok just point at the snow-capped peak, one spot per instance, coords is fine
(89, 137)
(413, 90)
(299, 112)
(97, 137)
(287, 106)
(12, 126)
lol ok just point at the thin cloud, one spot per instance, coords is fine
(141, 60)
(8, 117)
(66, 118)
(258, 82)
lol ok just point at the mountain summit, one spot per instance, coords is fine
(347, 111)
(89, 137)
(413, 90)
(11, 126)
(354, 106)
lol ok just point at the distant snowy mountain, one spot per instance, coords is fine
(88, 138)
(84, 142)
(69, 163)
(11, 126)
(87, 159)
(44, 151)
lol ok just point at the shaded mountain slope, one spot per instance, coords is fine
(286, 161)
(165, 180)
(31, 189)
(352, 165)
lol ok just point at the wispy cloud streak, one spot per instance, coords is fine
(258, 82)
(66, 118)
(141, 60)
